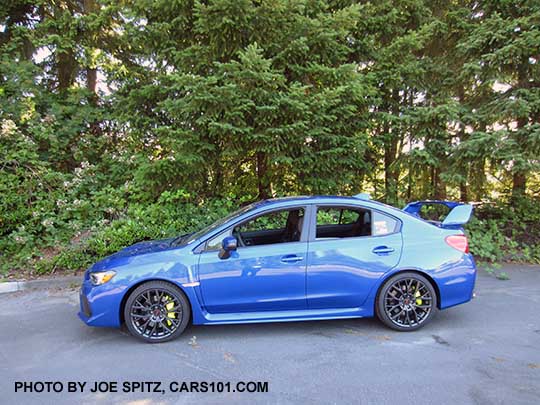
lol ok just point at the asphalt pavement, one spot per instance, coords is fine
(483, 352)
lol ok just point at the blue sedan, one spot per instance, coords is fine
(288, 259)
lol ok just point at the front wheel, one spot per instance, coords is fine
(156, 311)
(406, 302)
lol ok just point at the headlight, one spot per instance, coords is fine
(101, 277)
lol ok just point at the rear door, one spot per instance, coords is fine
(350, 248)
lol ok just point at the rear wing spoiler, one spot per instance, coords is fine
(460, 213)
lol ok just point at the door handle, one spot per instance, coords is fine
(382, 250)
(291, 259)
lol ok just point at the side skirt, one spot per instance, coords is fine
(285, 316)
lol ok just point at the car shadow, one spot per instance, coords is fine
(325, 328)
(359, 327)
(284, 328)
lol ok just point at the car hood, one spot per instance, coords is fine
(148, 246)
(140, 248)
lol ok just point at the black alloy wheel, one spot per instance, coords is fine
(156, 311)
(406, 302)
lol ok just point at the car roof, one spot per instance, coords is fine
(320, 199)
(303, 199)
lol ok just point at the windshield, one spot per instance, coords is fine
(194, 236)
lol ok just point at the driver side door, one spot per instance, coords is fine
(267, 272)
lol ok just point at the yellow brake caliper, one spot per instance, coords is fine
(418, 299)
(169, 307)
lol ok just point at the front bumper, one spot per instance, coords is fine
(100, 305)
(85, 305)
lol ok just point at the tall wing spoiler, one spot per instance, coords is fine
(459, 214)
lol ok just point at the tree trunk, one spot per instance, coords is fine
(91, 82)
(90, 6)
(18, 16)
(519, 176)
(477, 177)
(262, 176)
(390, 173)
(66, 69)
(91, 79)
(409, 184)
(438, 185)
(519, 185)
(463, 192)
(463, 136)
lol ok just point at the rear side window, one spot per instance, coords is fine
(347, 222)
(342, 222)
(336, 216)
(383, 224)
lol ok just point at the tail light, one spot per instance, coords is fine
(458, 242)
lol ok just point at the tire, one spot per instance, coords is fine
(156, 311)
(410, 310)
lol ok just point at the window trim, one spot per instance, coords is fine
(313, 222)
(201, 248)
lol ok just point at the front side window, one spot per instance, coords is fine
(274, 227)
(193, 237)
(215, 242)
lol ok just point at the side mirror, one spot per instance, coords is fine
(228, 245)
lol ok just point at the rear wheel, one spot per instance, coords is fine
(406, 302)
(156, 311)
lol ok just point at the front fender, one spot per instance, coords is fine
(103, 306)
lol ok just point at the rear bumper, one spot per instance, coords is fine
(456, 282)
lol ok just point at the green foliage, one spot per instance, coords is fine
(124, 121)
(492, 269)
(172, 215)
(503, 233)
(487, 241)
